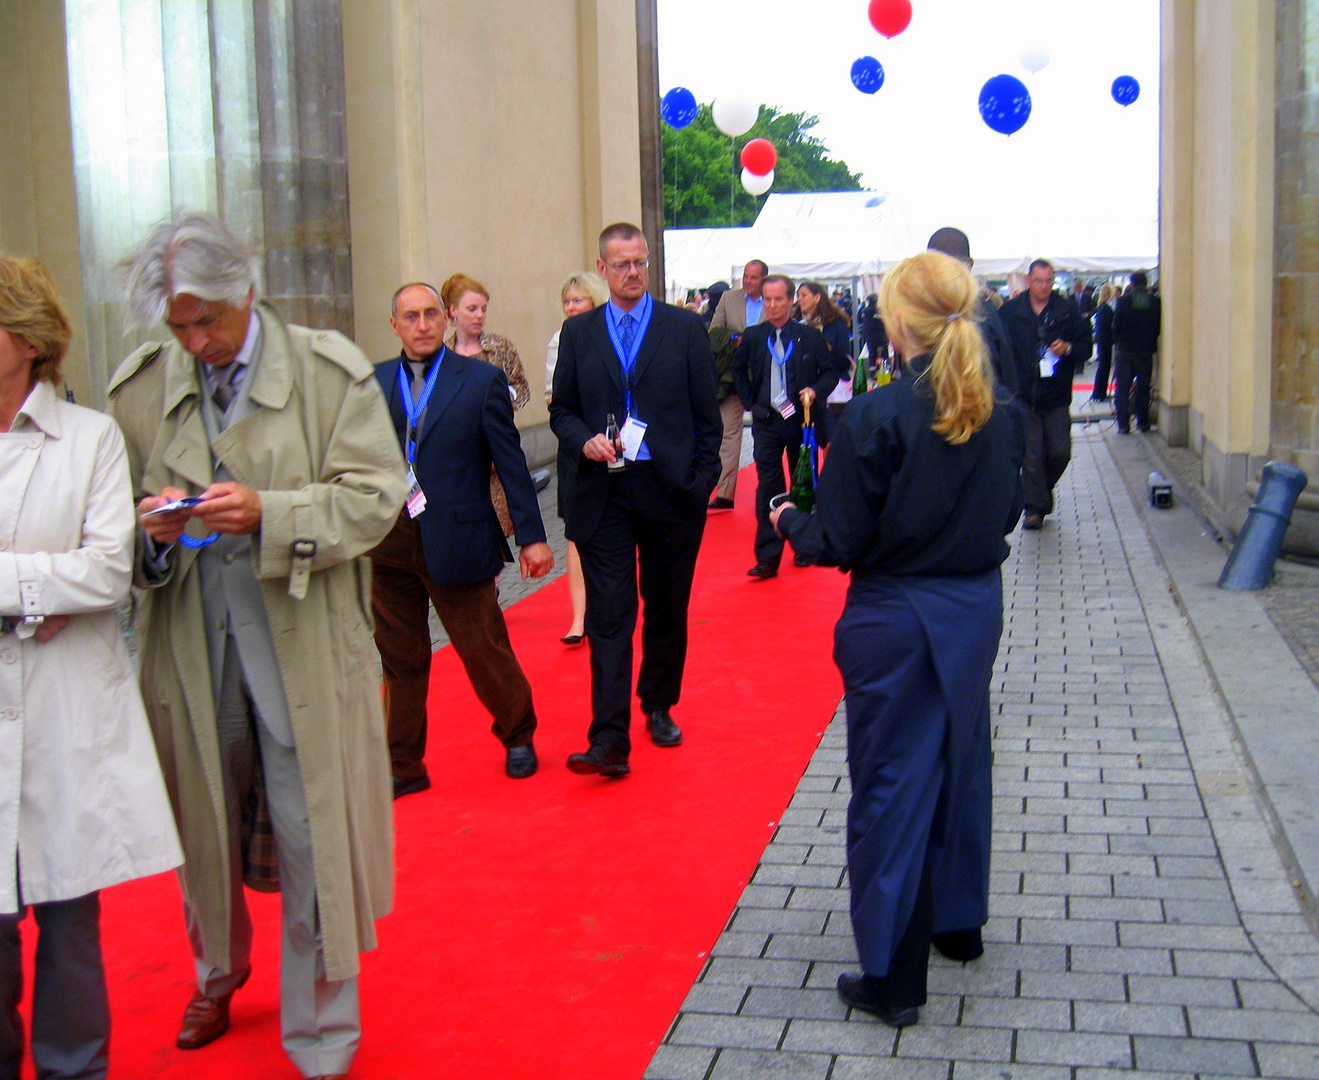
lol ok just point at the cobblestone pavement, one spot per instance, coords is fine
(1142, 922)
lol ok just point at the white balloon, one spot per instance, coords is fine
(757, 185)
(734, 114)
(1035, 57)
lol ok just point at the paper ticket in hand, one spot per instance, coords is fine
(633, 434)
(1047, 363)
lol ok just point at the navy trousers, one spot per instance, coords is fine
(916, 656)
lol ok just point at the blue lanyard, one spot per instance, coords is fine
(414, 410)
(641, 313)
(781, 360)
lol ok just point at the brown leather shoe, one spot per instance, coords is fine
(205, 1019)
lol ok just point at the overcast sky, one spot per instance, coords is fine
(921, 135)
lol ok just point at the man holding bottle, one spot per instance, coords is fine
(639, 527)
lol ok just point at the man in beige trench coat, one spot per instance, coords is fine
(257, 663)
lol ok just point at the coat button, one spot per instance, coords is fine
(8, 713)
(34, 443)
(10, 657)
(228, 557)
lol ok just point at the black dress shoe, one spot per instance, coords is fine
(763, 571)
(859, 991)
(960, 945)
(663, 731)
(800, 560)
(410, 785)
(1033, 520)
(598, 761)
(520, 762)
(720, 504)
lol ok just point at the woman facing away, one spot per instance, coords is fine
(916, 498)
(82, 801)
(581, 292)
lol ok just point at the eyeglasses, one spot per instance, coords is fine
(631, 264)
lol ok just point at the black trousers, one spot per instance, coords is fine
(647, 542)
(1133, 372)
(773, 437)
(1102, 371)
(1048, 451)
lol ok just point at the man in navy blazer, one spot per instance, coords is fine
(647, 364)
(777, 384)
(454, 419)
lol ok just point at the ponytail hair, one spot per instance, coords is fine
(928, 304)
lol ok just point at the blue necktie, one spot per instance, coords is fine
(628, 328)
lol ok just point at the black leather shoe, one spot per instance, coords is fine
(410, 785)
(720, 504)
(521, 762)
(800, 560)
(763, 571)
(663, 731)
(860, 993)
(1033, 520)
(598, 761)
(960, 945)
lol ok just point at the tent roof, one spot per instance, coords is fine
(840, 235)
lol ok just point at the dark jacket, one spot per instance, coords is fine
(1030, 334)
(468, 426)
(812, 364)
(1137, 321)
(897, 498)
(1104, 328)
(673, 391)
(1002, 354)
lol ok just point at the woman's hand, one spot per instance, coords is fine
(777, 513)
(51, 626)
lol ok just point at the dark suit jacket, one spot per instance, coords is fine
(1062, 321)
(812, 363)
(468, 426)
(673, 391)
(1137, 320)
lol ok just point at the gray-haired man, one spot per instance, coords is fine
(257, 663)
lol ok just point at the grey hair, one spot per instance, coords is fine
(191, 253)
(588, 283)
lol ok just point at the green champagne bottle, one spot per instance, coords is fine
(859, 382)
(803, 480)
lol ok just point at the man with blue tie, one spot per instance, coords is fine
(635, 505)
(782, 367)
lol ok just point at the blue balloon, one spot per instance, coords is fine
(1004, 104)
(1125, 90)
(678, 107)
(867, 74)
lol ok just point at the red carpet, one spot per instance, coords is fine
(550, 927)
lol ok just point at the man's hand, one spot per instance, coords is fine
(536, 560)
(807, 396)
(230, 508)
(51, 626)
(1060, 347)
(777, 513)
(164, 529)
(600, 448)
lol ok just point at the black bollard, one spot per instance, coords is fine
(1250, 566)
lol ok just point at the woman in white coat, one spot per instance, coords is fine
(82, 802)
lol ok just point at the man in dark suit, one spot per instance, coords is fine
(1050, 339)
(640, 499)
(781, 367)
(454, 419)
(1137, 321)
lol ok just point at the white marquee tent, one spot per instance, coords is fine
(846, 235)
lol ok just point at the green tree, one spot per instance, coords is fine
(701, 163)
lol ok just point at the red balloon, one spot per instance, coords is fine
(759, 157)
(890, 17)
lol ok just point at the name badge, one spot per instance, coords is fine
(416, 497)
(1048, 362)
(633, 435)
